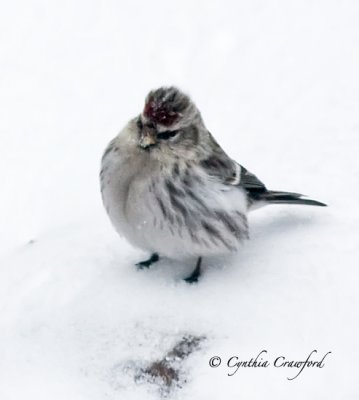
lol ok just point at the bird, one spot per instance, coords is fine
(171, 190)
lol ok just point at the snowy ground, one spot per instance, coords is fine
(278, 85)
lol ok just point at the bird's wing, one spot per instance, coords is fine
(249, 181)
(229, 172)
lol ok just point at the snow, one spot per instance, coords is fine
(277, 85)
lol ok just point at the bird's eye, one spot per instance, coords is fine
(166, 135)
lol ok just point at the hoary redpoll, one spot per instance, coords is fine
(171, 190)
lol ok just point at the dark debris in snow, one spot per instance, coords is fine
(167, 372)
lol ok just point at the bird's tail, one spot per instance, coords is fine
(275, 197)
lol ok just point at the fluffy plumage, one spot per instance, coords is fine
(170, 189)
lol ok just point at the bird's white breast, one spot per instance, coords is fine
(181, 214)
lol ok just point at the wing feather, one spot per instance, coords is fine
(229, 172)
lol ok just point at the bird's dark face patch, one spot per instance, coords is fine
(160, 113)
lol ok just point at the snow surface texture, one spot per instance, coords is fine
(278, 85)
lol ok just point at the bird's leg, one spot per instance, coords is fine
(196, 273)
(145, 264)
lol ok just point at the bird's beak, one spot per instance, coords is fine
(148, 137)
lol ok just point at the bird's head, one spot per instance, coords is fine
(170, 122)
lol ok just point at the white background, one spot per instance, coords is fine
(278, 85)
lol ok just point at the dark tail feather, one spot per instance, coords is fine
(274, 197)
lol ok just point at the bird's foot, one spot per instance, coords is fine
(147, 263)
(193, 278)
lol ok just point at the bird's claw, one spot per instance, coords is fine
(147, 263)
